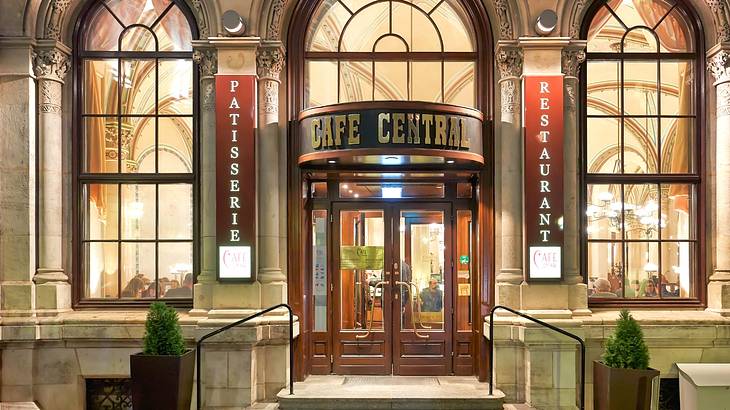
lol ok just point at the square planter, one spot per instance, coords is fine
(162, 382)
(621, 389)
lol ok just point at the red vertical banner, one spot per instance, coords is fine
(235, 97)
(543, 177)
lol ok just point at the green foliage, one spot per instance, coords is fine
(626, 349)
(162, 335)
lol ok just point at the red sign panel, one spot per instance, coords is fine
(543, 183)
(235, 176)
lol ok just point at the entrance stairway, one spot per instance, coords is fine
(390, 392)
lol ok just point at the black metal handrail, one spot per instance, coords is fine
(549, 326)
(199, 346)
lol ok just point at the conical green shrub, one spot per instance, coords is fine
(626, 349)
(163, 335)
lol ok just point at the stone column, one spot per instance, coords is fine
(269, 64)
(510, 274)
(206, 58)
(17, 181)
(572, 58)
(718, 290)
(50, 63)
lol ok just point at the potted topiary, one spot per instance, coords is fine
(623, 380)
(162, 375)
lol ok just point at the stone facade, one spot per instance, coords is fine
(48, 348)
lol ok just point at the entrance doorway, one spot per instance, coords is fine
(392, 276)
(393, 289)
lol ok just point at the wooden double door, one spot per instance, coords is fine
(392, 288)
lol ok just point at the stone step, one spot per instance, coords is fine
(390, 393)
(18, 406)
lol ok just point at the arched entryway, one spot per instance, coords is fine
(390, 185)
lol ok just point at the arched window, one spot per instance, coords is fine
(390, 50)
(641, 170)
(135, 152)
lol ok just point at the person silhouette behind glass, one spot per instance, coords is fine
(432, 297)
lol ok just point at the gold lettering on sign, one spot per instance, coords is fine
(328, 141)
(339, 129)
(316, 137)
(414, 131)
(353, 126)
(383, 135)
(464, 135)
(427, 120)
(399, 134)
(344, 130)
(440, 137)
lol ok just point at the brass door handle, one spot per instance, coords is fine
(372, 311)
(413, 321)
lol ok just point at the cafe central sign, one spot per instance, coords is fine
(543, 180)
(235, 176)
(428, 129)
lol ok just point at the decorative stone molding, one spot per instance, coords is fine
(717, 64)
(270, 62)
(719, 13)
(207, 61)
(50, 64)
(54, 22)
(509, 62)
(269, 97)
(209, 96)
(505, 21)
(576, 18)
(273, 30)
(723, 99)
(510, 100)
(571, 61)
(201, 18)
(50, 97)
(571, 104)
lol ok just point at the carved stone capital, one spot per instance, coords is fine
(50, 64)
(509, 62)
(571, 61)
(718, 64)
(270, 62)
(207, 61)
(55, 19)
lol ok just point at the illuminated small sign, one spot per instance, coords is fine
(235, 176)
(543, 183)
(234, 262)
(545, 262)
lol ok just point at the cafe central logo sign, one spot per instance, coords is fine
(386, 127)
(543, 181)
(337, 131)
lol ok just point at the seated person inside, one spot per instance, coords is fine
(432, 297)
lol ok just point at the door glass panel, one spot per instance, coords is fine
(362, 255)
(422, 284)
(319, 269)
(464, 265)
